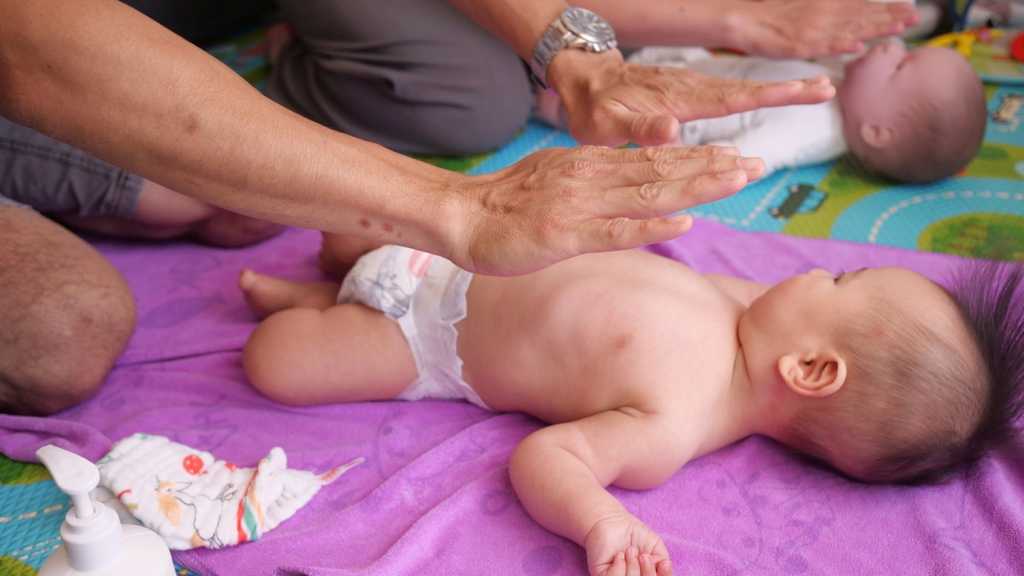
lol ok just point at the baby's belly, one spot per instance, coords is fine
(559, 355)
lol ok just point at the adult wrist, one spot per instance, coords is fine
(453, 215)
(734, 21)
(572, 70)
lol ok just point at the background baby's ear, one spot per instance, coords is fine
(876, 135)
(814, 375)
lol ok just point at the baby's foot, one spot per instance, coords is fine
(267, 295)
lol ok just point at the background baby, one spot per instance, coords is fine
(910, 115)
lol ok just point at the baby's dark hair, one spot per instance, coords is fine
(920, 404)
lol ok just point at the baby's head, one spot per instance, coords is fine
(912, 115)
(884, 374)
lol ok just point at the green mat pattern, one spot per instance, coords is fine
(31, 512)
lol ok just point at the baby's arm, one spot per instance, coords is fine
(560, 474)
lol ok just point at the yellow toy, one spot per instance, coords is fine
(963, 42)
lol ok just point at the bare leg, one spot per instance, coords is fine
(338, 253)
(267, 295)
(162, 214)
(65, 315)
(316, 352)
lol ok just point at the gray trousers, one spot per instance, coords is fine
(55, 178)
(413, 75)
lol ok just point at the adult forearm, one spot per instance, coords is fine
(101, 76)
(667, 22)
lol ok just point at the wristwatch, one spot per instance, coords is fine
(576, 28)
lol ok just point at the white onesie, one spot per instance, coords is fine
(783, 137)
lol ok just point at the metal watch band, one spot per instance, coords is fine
(558, 37)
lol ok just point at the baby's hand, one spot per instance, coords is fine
(622, 545)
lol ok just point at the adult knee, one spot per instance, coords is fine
(77, 337)
(447, 87)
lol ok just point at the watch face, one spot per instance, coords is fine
(588, 25)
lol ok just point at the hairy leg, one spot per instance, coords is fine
(315, 352)
(65, 315)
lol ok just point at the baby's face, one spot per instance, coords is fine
(879, 85)
(806, 312)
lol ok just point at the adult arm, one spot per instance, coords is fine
(103, 77)
(611, 102)
(560, 474)
(771, 28)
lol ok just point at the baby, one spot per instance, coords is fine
(639, 365)
(907, 115)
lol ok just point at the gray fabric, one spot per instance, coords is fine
(414, 75)
(55, 178)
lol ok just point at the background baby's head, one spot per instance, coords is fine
(885, 375)
(912, 115)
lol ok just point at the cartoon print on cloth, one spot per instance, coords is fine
(387, 279)
(193, 500)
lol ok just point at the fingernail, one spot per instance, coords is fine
(731, 175)
(751, 163)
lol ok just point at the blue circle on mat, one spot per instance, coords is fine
(898, 216)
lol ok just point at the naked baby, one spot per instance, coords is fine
(640, 364)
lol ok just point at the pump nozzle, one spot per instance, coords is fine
(74, 475)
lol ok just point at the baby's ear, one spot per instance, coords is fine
(815, 375)
(876, 135)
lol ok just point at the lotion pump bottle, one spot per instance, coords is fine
(95, 542)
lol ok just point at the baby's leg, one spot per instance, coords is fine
(317, 352)
(267, 295)
(339, 252)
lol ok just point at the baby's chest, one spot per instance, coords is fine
(674, 355)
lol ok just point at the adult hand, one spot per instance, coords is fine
(561, 202)
(812, 28)
(610, 102)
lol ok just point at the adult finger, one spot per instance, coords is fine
(643, 128)
(711, 96)
(668, 169)
(608, 155)
(665, 197)
(793, 92)
(604, 235)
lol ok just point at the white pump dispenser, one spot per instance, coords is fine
(95, 542)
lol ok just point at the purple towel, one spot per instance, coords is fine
(434, 496)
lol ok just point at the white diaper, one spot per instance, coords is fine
(426, 295)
